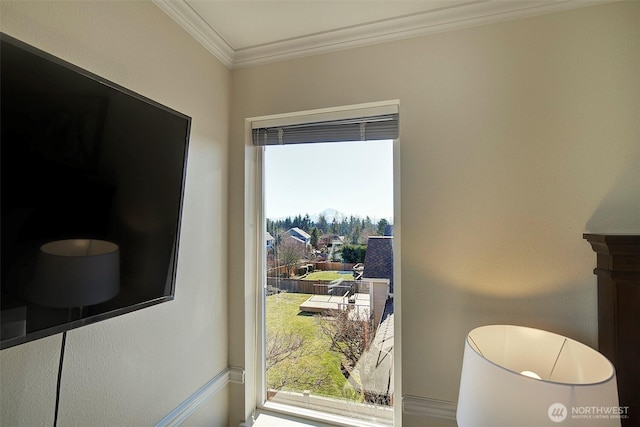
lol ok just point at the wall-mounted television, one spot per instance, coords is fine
(84, 158)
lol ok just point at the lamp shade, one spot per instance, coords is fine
(499, 385)
(76, 273)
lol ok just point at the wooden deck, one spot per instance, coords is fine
(322, 303)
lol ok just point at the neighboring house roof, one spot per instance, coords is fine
(378, 261)
(332, 239)
(373, 374)
(298, 232)
(337, 240)
(269, 239)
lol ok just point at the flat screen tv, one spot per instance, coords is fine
(83, 158)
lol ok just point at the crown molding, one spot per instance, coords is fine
(193, 24)
(454, 17)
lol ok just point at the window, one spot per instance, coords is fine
(327, 310)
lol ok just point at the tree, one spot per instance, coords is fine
(282, 346)
(335, 227)
(349, 335)
(315, 237)
(297, 221)
(382, 225)
(285, 352)
(306, 223)
(353, 253)
(344, 226)
(367, 224)
(355, 235)
(288, 251)
(323, 225)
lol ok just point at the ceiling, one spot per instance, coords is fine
(244, 33)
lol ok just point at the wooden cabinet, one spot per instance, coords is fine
(618, 272)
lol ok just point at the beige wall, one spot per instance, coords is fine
(135, 369)
(515, 138)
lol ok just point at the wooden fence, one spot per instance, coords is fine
(316, 287)
(334, 266)
(322, 266)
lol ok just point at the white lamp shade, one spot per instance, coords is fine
(76, 273)
(577, 386)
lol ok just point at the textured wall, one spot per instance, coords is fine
(136, 368)
(515, 138)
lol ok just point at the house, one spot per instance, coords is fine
(335, 241)
(300, 238)
(516, 136)
(299, 235)
(270, 240)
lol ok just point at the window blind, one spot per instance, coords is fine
(337, 127)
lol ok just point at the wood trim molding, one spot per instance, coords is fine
(193, 402)
(429, 408)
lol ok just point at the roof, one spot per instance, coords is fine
(299, 232)
(373, 374)
(378, 261)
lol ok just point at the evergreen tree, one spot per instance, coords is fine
(344, 227)
(382, 225)
(306, 223)
(355, 235)
(353, 253)
(315, 236)
(354, 229)
(367, 225)
(323, 225)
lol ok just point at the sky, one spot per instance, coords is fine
(354, 178)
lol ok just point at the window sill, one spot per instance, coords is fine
(270, 420)
(279, 415)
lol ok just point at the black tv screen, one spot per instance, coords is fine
(84, 158)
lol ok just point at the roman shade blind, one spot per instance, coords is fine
(357, 123)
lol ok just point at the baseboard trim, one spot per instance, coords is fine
(193, 402)
(411, 405)
(429, 408)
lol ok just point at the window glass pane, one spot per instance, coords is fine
(329, 292)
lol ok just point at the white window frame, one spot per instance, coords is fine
(255, 272)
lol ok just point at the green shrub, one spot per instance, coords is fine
(353, 253)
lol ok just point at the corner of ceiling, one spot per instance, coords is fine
(466, 15)
(192, 23)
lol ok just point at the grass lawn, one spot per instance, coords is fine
(316, 369)
(329, 275)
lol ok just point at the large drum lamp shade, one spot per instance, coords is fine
(519, 376)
